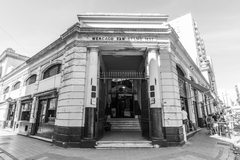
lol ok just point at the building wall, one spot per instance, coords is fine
(71, 96)
(9, 60)
(189, 35)
(73, 85)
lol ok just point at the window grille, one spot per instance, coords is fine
(122, 75)
(16, 86)
(6, 90)
(31, 79)
(52, 71)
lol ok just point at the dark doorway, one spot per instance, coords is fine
(122, 99)
(41, 115)
(100, 111)
(145, 110)
(46, 115)
(10, 115)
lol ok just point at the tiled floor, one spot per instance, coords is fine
(123, 136)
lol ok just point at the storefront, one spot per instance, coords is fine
(23, 115)
(45, 114)
(10, 115)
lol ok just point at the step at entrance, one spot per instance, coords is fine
(124, 124)
(123, 144)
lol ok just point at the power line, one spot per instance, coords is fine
(14, 40)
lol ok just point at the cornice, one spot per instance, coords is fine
(124, 30)
(121, 18)
(6, 54)
(122, 15)
(77, 28)
(189, 59)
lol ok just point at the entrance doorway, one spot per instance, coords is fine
(121, 95)
(122, 75)
(10, 115)
(45, 119)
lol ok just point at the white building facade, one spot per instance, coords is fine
(133, 63)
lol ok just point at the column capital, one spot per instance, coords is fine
(152, 49)
(93, 48)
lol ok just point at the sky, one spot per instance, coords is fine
(28, 26)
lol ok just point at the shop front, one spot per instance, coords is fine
(25, 109)
(46, 106)
(10, 115)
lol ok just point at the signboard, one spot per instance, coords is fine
(120, 38)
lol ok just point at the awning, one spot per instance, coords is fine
(200, 88)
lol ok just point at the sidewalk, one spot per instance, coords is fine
(200, 147)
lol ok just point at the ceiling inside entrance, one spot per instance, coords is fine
(122, 62)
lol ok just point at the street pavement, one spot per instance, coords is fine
(200, 147)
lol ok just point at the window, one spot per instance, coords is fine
(26, 110)
(181, 83)
(47, 110)
(52, 71)
(31, 79)
(6, 90)
(180, 72)
(51, 114)
(16, 86)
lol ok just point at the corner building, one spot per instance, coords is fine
(107, 67)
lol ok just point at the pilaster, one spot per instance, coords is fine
(171, 100)
(155, 97)
(33, 115)
(190, 106)
(170, 91)
(69, 120)
(91, 97)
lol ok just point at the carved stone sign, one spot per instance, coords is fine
(121, 38)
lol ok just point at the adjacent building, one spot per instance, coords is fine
(189, 35)
(9, 61)
(122, 67)
(228, 97)
(237, 88)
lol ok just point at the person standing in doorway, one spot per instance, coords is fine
(185, 121)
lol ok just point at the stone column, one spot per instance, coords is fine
(33, 116)
(200, 110)
(16, 113)
(155, 98)
(90, 99)
(190, 107)
(135, 99)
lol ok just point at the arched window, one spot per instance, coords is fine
(31, 79)
(16, 86)
(52, 71)
(179, 71)
(6, 90)
(192, 79)
(181, 82)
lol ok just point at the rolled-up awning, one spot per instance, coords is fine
(200, 88)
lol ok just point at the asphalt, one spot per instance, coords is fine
(199, 147)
